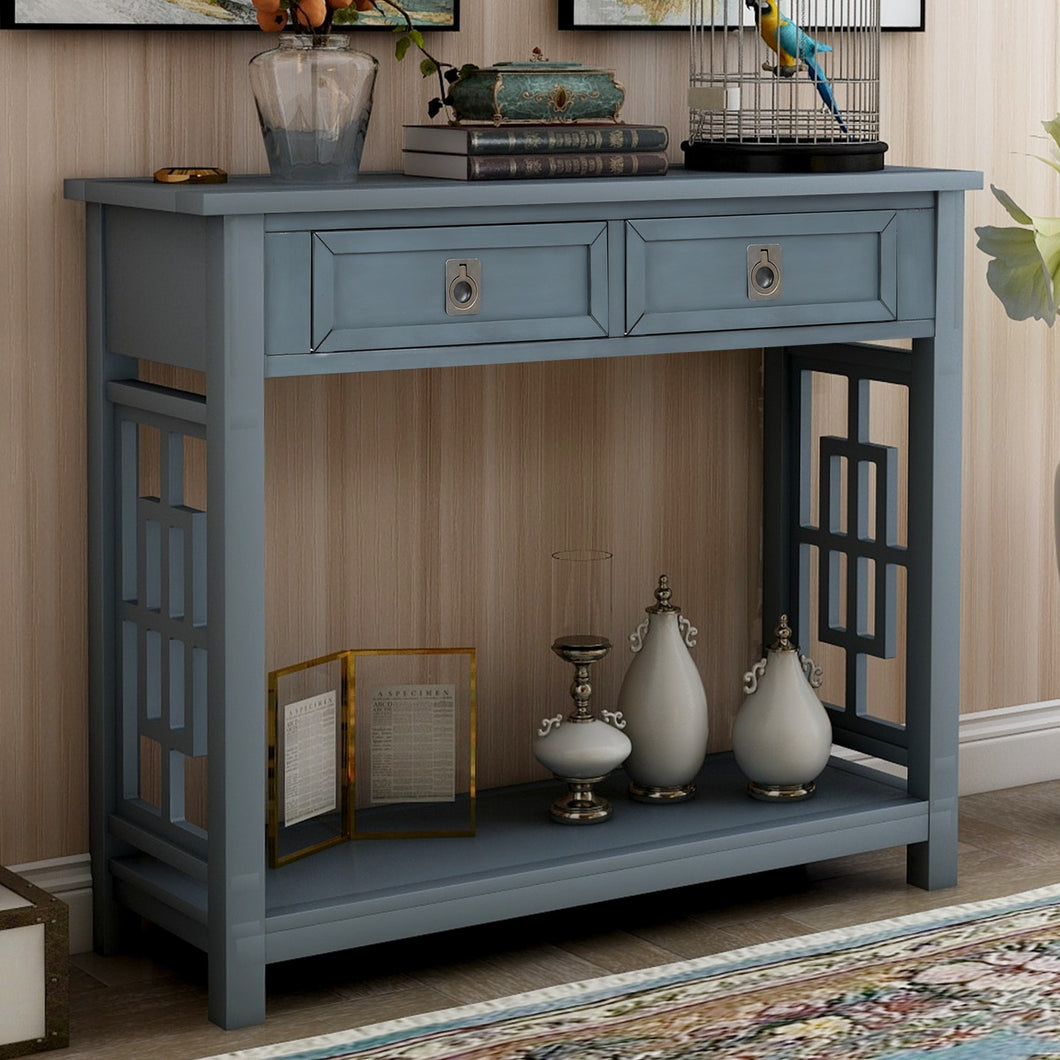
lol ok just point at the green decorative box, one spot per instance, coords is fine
(538, 91)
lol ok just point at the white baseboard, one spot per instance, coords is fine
(1003, 748)
(1010, 747)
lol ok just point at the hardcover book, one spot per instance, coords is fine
(535, 139)
(509, 167)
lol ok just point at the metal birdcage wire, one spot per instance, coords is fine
(747, 102)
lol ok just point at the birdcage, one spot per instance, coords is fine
(784, 86)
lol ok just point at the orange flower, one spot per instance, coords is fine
(310, 13)
(272, 21)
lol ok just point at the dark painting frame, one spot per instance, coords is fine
(910, 17)
(17, 14)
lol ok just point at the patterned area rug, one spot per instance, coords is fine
(971, 982)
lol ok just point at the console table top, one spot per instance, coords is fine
(373, 191)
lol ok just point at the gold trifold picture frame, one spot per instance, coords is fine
(372, 743)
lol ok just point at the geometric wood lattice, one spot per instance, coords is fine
(851, 557)
(162, 652)
(848, 616)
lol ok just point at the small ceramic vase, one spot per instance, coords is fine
(587, 749)
(664, 705)
(782, 737)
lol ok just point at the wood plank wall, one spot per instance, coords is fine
(85, 103)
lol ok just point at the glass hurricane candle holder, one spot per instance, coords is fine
(581, 749)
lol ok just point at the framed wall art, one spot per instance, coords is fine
(907, 15)
(196, 14)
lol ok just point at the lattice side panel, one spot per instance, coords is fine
(162, 664)
(851, 545)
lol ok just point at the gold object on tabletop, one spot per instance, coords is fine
(191, 175)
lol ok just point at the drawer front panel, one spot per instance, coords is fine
(386, 289)
(692, 275)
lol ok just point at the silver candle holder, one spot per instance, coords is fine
(579, 748)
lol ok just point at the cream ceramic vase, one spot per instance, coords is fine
(782, 737)
(581, 748)
(664, 705)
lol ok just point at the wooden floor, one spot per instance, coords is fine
(153, 1003)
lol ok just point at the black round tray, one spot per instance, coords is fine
(780, 156)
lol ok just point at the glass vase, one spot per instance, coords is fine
(314, 99)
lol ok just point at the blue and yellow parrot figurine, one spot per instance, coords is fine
(793, 46)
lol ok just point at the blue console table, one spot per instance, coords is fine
(820, 270)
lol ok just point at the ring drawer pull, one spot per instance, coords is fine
(463, 286)
(764, 271)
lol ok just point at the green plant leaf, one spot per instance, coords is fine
(1017, 213)
(428, 67)
(1053, 129)
(1047, 239)
(1053, 162)
(416, 37)
(1025, 268)
(1020, 274)
(401, 47)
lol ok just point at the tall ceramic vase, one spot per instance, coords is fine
(782, 736)
(664, 705)
(314, 99)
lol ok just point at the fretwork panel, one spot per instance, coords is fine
(857, 600)
(162, 627)
(850, 535)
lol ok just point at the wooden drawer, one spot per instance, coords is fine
(371, 289)
(692, 274)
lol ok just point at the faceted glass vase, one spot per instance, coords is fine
(314, 99)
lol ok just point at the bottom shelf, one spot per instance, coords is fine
(520, 862)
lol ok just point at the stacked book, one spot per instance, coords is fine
(504, 152)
